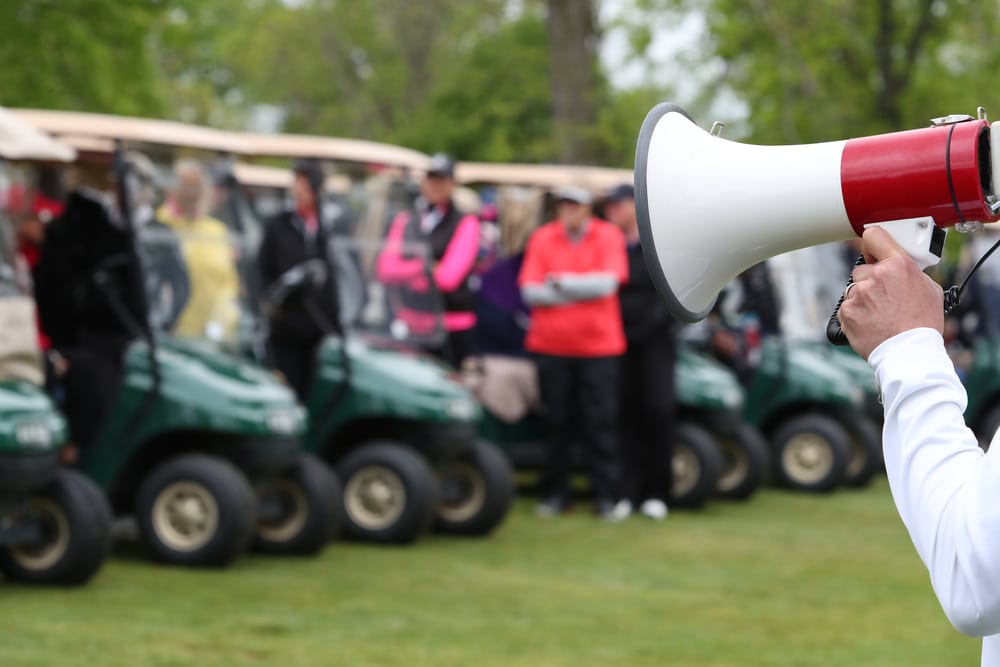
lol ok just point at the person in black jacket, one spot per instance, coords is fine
(647, 398)
(91, 302)
(310, 311)
(452, 237)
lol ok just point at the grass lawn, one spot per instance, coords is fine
(785, 579)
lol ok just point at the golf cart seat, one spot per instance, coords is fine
(20, 358)
(506, 386)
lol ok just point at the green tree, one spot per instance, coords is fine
(837, 68)
(359, 68)
(495, 107)
(80, 54)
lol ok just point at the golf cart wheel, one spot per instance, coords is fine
(476, 491)
(865, 441)
(747, 462)
(811, 453)
(299, 509)
(75, 522)
(695, 466)
(390, 493)
(196, 510)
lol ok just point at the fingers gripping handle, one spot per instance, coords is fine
(919, 237)
(834, 332)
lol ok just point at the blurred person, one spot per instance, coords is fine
(501, 374)
(943, 485)
(572, 269)
(85, 249)
(454, 246)
(647, 378)
(30, 237)
(298, 325)
(212, 308)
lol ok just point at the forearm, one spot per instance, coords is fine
(543, 294)
(584, 286)
(391, 266)
(943, 486)
(460, 256)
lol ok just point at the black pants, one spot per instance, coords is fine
(297, 362)
(580, 397)
(647, 418)
(90, 386)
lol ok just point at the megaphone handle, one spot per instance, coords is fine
(834, 332)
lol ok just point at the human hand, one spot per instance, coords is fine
(890, 295)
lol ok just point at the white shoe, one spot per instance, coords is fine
(655, 509)
(615, 513)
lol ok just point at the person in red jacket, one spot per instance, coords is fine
(572, 269)
(31, 234)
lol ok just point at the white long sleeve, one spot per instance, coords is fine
(947, 492)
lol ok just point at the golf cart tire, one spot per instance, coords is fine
(696, 466)
(866, 453)
(811, 452)
(390, 493)
(747, 462)
(312, 496)
(209, 486)
(485, 480)
(79, 519)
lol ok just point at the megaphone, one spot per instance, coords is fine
(709, 208)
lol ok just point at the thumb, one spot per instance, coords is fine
(877, 244)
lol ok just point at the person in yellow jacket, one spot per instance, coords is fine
(212, 309)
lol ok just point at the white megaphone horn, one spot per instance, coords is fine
(709, 208)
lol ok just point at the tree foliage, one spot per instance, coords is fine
(80, 54)
(503, 79)
(838, 68)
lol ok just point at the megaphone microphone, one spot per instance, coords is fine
(709, 208)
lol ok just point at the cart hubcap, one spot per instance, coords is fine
(185, 516)
(464, 491)
(807, 457)
(737, 465)
(374, 497)
(55, 526)
(685, 468)
(294, 511)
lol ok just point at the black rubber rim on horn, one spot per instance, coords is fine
(642, 214)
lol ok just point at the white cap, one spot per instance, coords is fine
(574, 193)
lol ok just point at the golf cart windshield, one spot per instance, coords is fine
(193, 281)
(201, 284)
(387, 291)
(20, 358)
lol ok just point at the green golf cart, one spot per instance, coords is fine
(55, 524)
(398, 426)
(809, 282)
(201, 447)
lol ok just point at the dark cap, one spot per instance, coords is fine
(311, 169)
(621, 193)
(441, 165)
